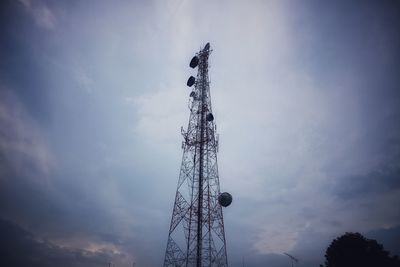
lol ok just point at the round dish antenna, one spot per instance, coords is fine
(225, 199)
(191, 81)
(194, 62)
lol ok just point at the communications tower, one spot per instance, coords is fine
(196, 235)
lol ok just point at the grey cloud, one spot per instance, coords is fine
(305, 98)
(54, 205)
(21, 248)
(370, 185)
(41, 14)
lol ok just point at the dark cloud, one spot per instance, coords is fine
(23, 65)
(53, 204)
(19, 247)
(375, 183)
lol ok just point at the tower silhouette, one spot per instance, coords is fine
(196, 235)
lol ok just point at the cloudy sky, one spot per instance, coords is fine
(92, 97)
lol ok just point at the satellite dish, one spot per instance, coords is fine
(191, 81)
(207, 47)
(209, 117)
(194, 62)
(225, 199)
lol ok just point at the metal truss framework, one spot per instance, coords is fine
(196, 235)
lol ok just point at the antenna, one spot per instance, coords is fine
(196, 236)
(292, 258)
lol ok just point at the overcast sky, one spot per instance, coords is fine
(93, 94)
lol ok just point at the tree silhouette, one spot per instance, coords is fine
(353, 249)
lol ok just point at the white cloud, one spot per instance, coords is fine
(159, 114)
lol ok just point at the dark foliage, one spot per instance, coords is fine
(353, 249)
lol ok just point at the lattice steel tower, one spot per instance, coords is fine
(196, 234)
